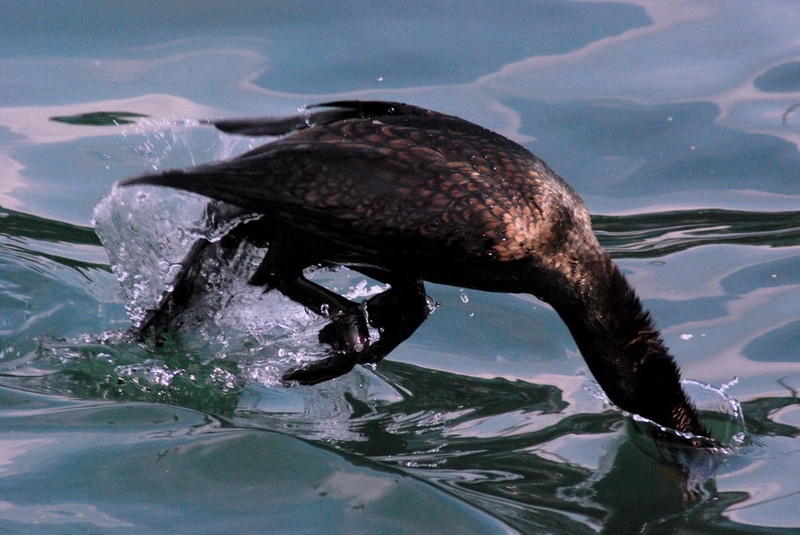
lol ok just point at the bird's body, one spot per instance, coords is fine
(408, 195)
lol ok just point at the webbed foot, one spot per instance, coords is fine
(347, 332)
(395, 313)
(322, 370)
(348, 336)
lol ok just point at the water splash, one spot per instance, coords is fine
(147, 236)
(148, 233)
(721, 413)
(678, 452)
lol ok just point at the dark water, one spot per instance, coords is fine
(677, 123)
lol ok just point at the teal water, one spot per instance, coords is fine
(677, 123)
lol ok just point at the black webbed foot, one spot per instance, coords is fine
(321, 370)
(347, 332)
(348, 337)
(395, 313)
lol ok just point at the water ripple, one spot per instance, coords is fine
(663, 233)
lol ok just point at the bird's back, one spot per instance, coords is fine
(412, 188)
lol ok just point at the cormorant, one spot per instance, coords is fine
(406, 195)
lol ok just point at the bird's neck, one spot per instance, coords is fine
(622, 347)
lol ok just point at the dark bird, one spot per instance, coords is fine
(406, 195)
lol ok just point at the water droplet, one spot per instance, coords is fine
(431, 304)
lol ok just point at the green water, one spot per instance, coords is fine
(676, 123)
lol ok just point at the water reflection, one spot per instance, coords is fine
(659, 234)
(501, 445)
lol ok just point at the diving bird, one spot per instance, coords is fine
(406, 195)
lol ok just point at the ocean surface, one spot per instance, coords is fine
(677, 122)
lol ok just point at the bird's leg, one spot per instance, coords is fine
(282, 270)
(396, 314)
(189, 284)
(346, 333)
(172, 303)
